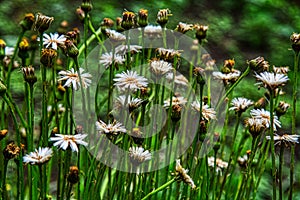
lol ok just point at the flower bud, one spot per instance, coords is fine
(3, 133)
(201, 31)
(281, 108)
(163, 17)
(48, 57)
(119, 27)
(295, 39)
(42, 22)
(2, 49)
(11, 151)
(176, 113)
(23, 49)
(74, 36)
(27, 22)
(29, 75)
(107, 23)
(73, 176)
(86, 6)
(142, 18)
(71, 49)
(128, 20)
(136, 134)
(259, 64)
(80, 14)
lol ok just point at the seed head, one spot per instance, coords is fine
(42, 22)
(11, 151)
(48, 57)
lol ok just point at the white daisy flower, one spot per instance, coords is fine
(39, 156)
(179, 79)
(9, 51)
(71, 77)
(255, 125)
(153, 31)
(264, 115)
(53, 40)
(123, 49)
(124, 101)
(278, 139)
(175, 101)
(114, 128)
(220, 164)
(230, 77)
(207, 113)
(107, 59)
(240, 104)
(138, 155)
(182, 174)
(160, 67)
(64, 141)
(115, 36)
(271, 80)
(130, 81)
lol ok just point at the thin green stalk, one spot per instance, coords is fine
(294, 111)
(280, 169)
(213, 181)
(160, 188)
(272, 142)
(4, 192)
(69, 190)
(42, 184)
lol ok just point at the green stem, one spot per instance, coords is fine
(280, 169)
(272, 142)
(4, 192)
(160, 188)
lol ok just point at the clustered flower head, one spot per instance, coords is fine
(42, 22)
(285, 138)
(220, 164)
(264, 115)
(271, 80)
(72, 78)
(39, 156)
(168, 54)
(130, 81)
(65, 141)
(181, 173)
(240, 104)
(11, 151)
(138, 155)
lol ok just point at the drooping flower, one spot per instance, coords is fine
(39, 156)
(112, 128)
(285, 138)
(271, 80)
(130, 81)
(65, 141)
(264, 115)
(72, 78)
(181, 173)
(53, 40)
(240, 104)
(107, 59)
(207, 113)
(139, 155)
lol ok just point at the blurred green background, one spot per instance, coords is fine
(239, 29)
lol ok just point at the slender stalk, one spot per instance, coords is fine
(272, 142)
(160, 188)
(294, 107)
(4, 192)
(280, 169)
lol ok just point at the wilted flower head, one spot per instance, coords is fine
(53, 40)
(271, 81)
(39, 156)
(264, 115)
(183, 27)
(11, 151)
(175, 101)
(73, 176)
(201, 31)
(295, 39)
(138, 155)
(168, 54)
(255, 125)
(281, 70)
(285, 138)
(207, 113)
(220, 164)
(240, 104)
(128, 20)
(48, 56)
(259, 64)
(72, 78)
(281, 108)
(142, 18)
(108, 59)
(29, 75)
(112, 128)
(27, 22)
(42, 22)
(163, 17)
(107, 23)
(130, 81)
(153, 32)
(181, 174)
(65, 141)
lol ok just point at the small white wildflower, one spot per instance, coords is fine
(240, 104)
(124, 101)
(265, 117)
(123, 49)
(207, 113)
(139, 155)
(220, 164)
(112, 128)
(71, 77)
(115, 36)
(175, 101)
(182, 174)
(179, 79)
(160, 67)
(107, 59)
(230, 77)
(152, 32)
(65, 141)
(271, 80)
(53, 40)
(130, 81)
(285, 138)
(39, 156)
